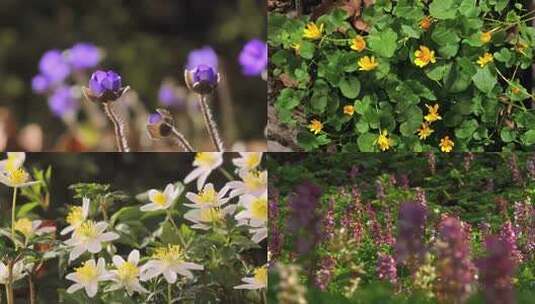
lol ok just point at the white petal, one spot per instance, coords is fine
(76, 252)
(170, 276)
(108, 236)
(67, 230)
(133, 257)
(94, 246)
(74, 288)
(193, 175)
(91, 289)
(202, 179)
(117, 260)
(85, 207)
(149, 207)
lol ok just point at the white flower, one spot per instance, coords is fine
(77, 215)
(162, 200)
(252, 182)
(254, 215)
(12, 173)
(204, 218)
(206, 162)
(89, 237)
(18, 272)
(248, 161)
(88, 276)
(208, 197)
(168, 261)
(258, 281)
(126, 274)
(30, 228)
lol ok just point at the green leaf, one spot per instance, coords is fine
(350, 87)
(484, 80)
(466, 129)
(307, 50)
(318, 103)
(26, 208)
(507, 135)
(383, 43)
(287, 99)
(528, 138)
(366, 142)
(438, 71)
(443, 9)
(444, 35)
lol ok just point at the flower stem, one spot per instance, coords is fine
(31, 284)
(9, 285)
(170, 217)
(13, 205)
(120, 134)
(182, 141)
(210, 124)
(169, 295)
(226, 174)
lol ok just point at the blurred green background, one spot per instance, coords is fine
(145, 40)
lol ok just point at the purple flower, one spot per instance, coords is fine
(40, 84)
(168, 96)
(154, 118)
(104, 82)
(204, 74)
(324, 274)
(455, 269)
(254, 57)
(204, 56)
(515, 171)
(379, 190)
(303, 218)
(411, 227)
(508, 235)
(62, 102)
(54, 66)
(530, 166)
(84, 56)
(496, 272)
(386, 268)
(329, 222)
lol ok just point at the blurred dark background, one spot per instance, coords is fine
(145, 40)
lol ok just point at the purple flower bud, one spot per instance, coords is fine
(84, 56)
(102, 83)
(204, 56)
(154, 118)
(54, 66)
(386, 268)
(40, 84)
(62, 102)
(160, 124)
(204, 74)
(254, 57)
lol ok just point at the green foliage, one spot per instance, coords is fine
(477, 104)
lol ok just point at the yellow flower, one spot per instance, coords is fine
(315, 126)
(312, 31)
(424, 56)
(485, 37)
(433, 113)
(349, 110)
(426, 22)
(485, 59)
(424, 131)
(358, 43)
(521, 47)
(24, 226)
(446, 144)
(516, 90)
(383, 141)
(367, 63)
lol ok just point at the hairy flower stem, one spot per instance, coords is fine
(182, 141)
(120, 136)
(169, 295)
(9, 286)
(13, 206)
(210, 123)
(31, 286)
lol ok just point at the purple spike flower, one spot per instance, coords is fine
(54, 66)
(62, 102)
(508, 235)
(455, 269)
(328, 222)
(496, 272)
(324, 274)
(84, 56)
(102, 83)
(409, 246)
(530, 166)
(254, 57)
(204, 56)
(386, 268)
(515, 171)
(303, 218)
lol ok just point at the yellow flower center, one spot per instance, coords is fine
(18, 177)
(424, 131)
(367, 63)
(205, 159)
(254, 180)
(75, 216)
(159, 199)
(87, 230)
(426, 22)
(127, 271)
(208, 196)
(24, 226)
(486, 37)
(171, 254)
(259, 209)
(86, 273)
(485, 59)
(446, 144)
(252, 160)
(260, 275)
(210, 215)
(10, 163)
(315, 126)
